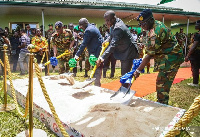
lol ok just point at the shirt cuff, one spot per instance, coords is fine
(102, 60)
(138, 71)
(76, 57)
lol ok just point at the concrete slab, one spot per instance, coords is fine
(90, 112)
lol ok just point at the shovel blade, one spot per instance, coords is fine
(123, 95)
(41, 66)
(79, 85)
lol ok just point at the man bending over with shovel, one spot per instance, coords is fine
(122, 44)
(164, 48)
(92, 39)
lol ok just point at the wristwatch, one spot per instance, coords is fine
(138, 71)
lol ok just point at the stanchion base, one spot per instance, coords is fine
(36, 133)
(9, 107)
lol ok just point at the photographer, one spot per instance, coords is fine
(3, 40)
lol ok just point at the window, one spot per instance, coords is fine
(16, 26)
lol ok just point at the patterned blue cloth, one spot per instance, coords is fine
(128, 76)
(54, 61)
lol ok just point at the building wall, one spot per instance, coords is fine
(191, 29)
(5, 20)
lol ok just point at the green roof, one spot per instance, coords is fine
(100, 5)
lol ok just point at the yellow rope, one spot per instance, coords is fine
(42, 58)
(1, 63)
(63, 131)
(13, 91)
(192, 112)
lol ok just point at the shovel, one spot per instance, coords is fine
(48, 62)
(124, 95)
(91, 79)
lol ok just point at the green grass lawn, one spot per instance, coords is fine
(181, 95)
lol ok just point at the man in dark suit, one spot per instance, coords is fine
(92, 39)
(122, 44)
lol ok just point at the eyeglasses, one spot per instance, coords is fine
(142, 23)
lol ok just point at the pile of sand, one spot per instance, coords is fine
(140, 119)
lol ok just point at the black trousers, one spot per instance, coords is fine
(195, 66)
(97, 75)
(126, 66)
(110, 60)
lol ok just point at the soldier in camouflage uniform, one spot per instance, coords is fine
(48, 35)
(181, 38)
(62, 41)
(164, 48)
(3, 40)
(85, 57)
(142, 42)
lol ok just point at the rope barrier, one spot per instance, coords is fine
(1, 63)
(13, 91)
(192, 112)
(63, 131)
(42, 58)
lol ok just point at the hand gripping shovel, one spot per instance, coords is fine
(91, 79)
(124, 95)
(55, 61)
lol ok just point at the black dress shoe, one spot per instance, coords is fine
(22, 74)
(112, 76)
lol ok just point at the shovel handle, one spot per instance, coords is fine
(48, 62)
(93, 71)
(104, 46)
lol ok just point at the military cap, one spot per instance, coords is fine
(58, 24)
(50, 25)
(181, 28)
(145, 15)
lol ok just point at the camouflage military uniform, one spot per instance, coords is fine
(62, 43)
(181, 38)
(143, 40)
(142, 49)
(168, 55)
(48, 37)
(85, 56)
